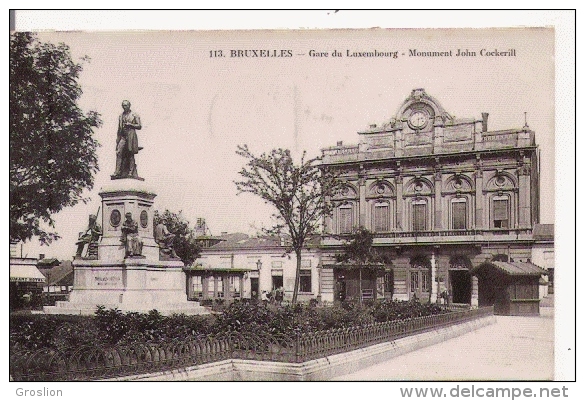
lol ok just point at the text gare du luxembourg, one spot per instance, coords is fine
(289, 53)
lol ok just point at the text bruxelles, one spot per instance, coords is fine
(261, 53)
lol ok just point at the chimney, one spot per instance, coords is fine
(200, 227)
(484, 118)
(41, 256)
(339, 143)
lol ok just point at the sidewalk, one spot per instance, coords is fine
(514, 348)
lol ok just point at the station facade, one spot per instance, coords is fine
(442, 195)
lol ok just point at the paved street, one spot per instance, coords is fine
(514, 348)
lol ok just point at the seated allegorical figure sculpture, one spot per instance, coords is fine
(130, 237)
(164, 239)
(90, 237)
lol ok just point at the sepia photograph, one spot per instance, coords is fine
(346, 204)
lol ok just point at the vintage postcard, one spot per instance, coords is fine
(440, 146)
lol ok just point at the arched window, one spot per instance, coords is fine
(458, 213)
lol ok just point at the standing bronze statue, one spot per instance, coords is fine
(127, 143)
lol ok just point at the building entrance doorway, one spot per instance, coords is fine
(276, 282)
(460, 286)
(254, 288)
(340, 289)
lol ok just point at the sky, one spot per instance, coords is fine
(195, 109)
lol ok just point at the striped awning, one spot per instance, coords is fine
(25, 272)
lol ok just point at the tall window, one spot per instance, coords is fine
(459, 213)
(500, 212)
(425, 281)
(420, 281)
(305, 281)
(197, 286)
(381, 217)
(419, 215)
(380, 287)
(389, 281)
(420, 276)
(219, 286)
(345, 219)
(235, 286)
(209, 289)
(414, 281)
(277, 282)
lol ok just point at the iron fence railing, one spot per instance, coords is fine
(102, 362)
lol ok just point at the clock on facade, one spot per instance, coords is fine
(418, 119)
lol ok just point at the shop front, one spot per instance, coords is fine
(26, 283)
(354, 283)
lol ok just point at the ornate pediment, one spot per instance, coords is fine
(419, 186)
(348, 191)
(420, 111)
(501, 181)
(458, 182)
(381, 188)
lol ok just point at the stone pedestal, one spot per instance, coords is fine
(137, 284)
(118, 198)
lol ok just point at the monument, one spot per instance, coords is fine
(127, 268)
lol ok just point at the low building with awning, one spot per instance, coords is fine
(26, 283)
(511, 287)
(24, 270)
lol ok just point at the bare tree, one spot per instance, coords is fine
(300, 193)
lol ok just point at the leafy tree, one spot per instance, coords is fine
(300, 193)
(359, 253)
(185, 243)
(52, 150)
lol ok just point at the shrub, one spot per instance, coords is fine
(77, 334)
(112, 323)
(113, 327)
(38, 331)
(384, 311)
(120, 328)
